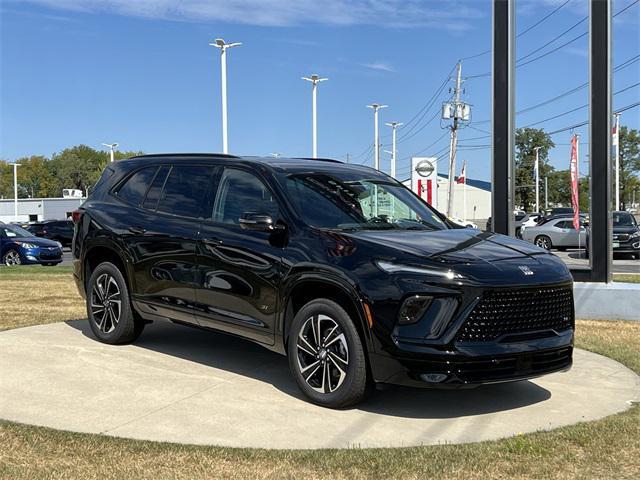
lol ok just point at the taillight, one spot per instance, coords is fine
(76, 215)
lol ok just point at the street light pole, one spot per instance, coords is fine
(314, 79)
(616, 142)
(537, 172)
(220, 43)
(15, 191)
(393, 126)
(112, 147)
(376, 138)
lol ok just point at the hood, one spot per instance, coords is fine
(453, 246)
(41, 242)
(628, 229)
(481, 256)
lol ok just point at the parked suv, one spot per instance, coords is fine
(58, 230)
(339, 267)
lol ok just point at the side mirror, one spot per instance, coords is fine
(260, 222)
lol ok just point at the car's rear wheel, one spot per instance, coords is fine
(109, 307)
(11, 257)
(326, 355)
(543, 241)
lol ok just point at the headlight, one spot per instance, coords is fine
(399, 268)
(59, 245)
(635, 235)
(28, 245)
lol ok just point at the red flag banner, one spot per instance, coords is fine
(463, 174)
(573, 169)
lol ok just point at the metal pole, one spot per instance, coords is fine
(600, 117)
(503, 116)
(617, 159)
(315, 120)
(546, 194)
(394, 157)
(223, 75)
(15, 191)
(537, 168)
(376, 139)
(111, 153)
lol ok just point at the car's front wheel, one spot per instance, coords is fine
(326, 355)
(11, 257)
(109, 307)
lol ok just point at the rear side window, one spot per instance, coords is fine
(153, 195)
(184, 191)
(135, 188)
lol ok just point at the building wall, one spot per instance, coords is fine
(30, 209)
(477, 198)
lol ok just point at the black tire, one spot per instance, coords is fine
(11, 257)
(543, 241)
(351, 384)
(115, 323)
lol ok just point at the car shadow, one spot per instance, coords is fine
(241, 357)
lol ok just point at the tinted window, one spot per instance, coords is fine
(185, 190)
(564, 224)
(136, 186)
(151, 201)
(242, 192)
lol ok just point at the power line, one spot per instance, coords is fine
(582, 124)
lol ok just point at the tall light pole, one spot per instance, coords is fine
(393, 126)
(616, 143)
(376, 138)
(112, 147)
(315, 80)
(15, 191)
(220, 43)
(536, 169)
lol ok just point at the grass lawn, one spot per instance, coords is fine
(626, 277)
(608, 448)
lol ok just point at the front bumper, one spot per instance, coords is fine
(36, 256)
(630, 246)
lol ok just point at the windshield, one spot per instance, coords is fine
(623, 220)
(345, 202)
(15, 231)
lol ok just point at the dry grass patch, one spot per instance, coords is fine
(608, 448)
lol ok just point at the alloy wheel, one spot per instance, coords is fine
(323, 354)
(12, 258)
(543, 242)
(106, 303)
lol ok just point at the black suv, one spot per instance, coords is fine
(339, 267)
(58, 230)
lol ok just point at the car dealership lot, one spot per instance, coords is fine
(621, 263)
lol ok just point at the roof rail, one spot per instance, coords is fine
(333, 160)
(200, 154)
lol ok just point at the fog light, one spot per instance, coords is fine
(31, 257)
(433, 377)
(413, 309)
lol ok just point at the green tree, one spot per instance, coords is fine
(527, 139)
(34, 177)
(78, 167)
(629, 164)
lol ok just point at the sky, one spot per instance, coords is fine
(142, 73)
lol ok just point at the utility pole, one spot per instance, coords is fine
(314, 79)
(393, 126)
(15, 191)
(112, 147)
(376, 139)
(459, 112)
(616, 143)
(348, 157)
(220, 43)
(537, 179)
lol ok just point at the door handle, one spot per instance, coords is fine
(137, 230)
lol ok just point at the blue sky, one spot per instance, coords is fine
(141, 73)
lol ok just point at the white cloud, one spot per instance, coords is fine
(381, 66)
(454, 15)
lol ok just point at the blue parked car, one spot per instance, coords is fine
(20, 247)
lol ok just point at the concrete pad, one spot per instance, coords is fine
(607, 301)
(184, 385)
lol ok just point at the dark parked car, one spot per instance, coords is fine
(626, 235)
(19, 246)
(338, 266)
(58, 230)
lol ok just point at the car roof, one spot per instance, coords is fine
(283, 164)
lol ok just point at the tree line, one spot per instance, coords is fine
(80, 167)
(77, 167)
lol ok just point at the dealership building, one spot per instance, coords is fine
(36, 209)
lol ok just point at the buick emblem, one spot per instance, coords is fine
(526, 270)
(424, 168)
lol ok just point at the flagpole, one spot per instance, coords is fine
(616, 140)
(537, 175)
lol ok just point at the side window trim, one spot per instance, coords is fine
(144, 200)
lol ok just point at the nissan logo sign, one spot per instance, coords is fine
(424, 168)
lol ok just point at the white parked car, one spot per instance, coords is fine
(463, 223)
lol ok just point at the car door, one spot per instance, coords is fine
(239, 270)
(161, 237)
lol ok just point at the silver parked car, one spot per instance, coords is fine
(558, 233)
